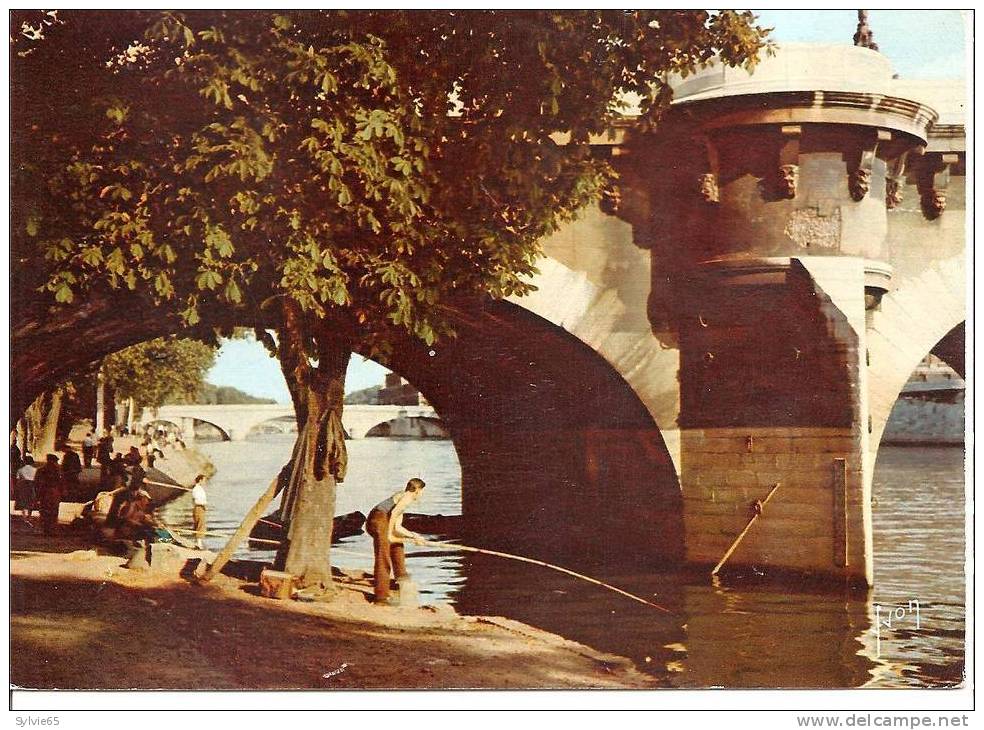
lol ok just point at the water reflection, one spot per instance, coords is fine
(747, 632)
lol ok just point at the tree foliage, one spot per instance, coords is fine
(366, 165)
(162, 370)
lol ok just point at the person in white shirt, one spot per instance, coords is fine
(24, 496)
(200, 501)
(88, 449)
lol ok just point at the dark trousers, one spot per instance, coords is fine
(388, 556)
(87, 456)
(49, 516)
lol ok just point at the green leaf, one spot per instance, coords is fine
(64, 294)
(114, 262)
(118, 113)
(218, 239)
(339, 295)
(401, 165)
(92, 256)
(162, 284)
(208, 279)
(232, 292)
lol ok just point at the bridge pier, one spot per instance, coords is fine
(768, 235)
(188, 429)
(773, 392)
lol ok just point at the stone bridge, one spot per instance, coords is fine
(236, 421)
(781, 253)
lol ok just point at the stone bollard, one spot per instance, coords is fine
(407, 595)
(137, 557)
(166, 557)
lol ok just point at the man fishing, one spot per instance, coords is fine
(385, 524)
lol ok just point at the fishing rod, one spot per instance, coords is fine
(543, 563)
(468, 548)
(163, 484)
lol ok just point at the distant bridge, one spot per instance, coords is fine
(236, 421)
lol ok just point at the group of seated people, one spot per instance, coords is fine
(125, 513)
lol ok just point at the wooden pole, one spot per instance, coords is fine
(744, 532)
(244, 529)
(165, 484)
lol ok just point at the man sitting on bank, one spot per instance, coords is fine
(385, 524)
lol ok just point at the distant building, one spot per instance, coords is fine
(398, 392)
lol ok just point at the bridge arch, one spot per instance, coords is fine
(558, 453)
(288, 420)
(554, 403)
(385, 428)
(925, 315)
(226, 436)
(183, 425)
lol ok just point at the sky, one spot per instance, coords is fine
(920, 44)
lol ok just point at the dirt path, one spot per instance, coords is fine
(81, 620)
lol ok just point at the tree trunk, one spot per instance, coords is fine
(319, 460)
(100, 404)
(41, 424)
(49, 429)
(22, 435)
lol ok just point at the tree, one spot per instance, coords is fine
(222, 395)
(334, 176)
(40, 423)
(154, 372)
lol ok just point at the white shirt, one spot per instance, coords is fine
(198, 496)
(27, 472)
(88, 441)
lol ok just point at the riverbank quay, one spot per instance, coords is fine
(81, 620)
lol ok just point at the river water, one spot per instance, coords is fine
(748, 632)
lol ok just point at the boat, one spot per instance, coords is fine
(443, 525)
(270, 529)
(161, 487)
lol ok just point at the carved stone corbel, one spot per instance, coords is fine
(859, 183)
(933, 203)
(787, 179)
(859, 180)
(893, 193)
(708, 187)
(707, 183)
(933, 182)
(895, 179)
